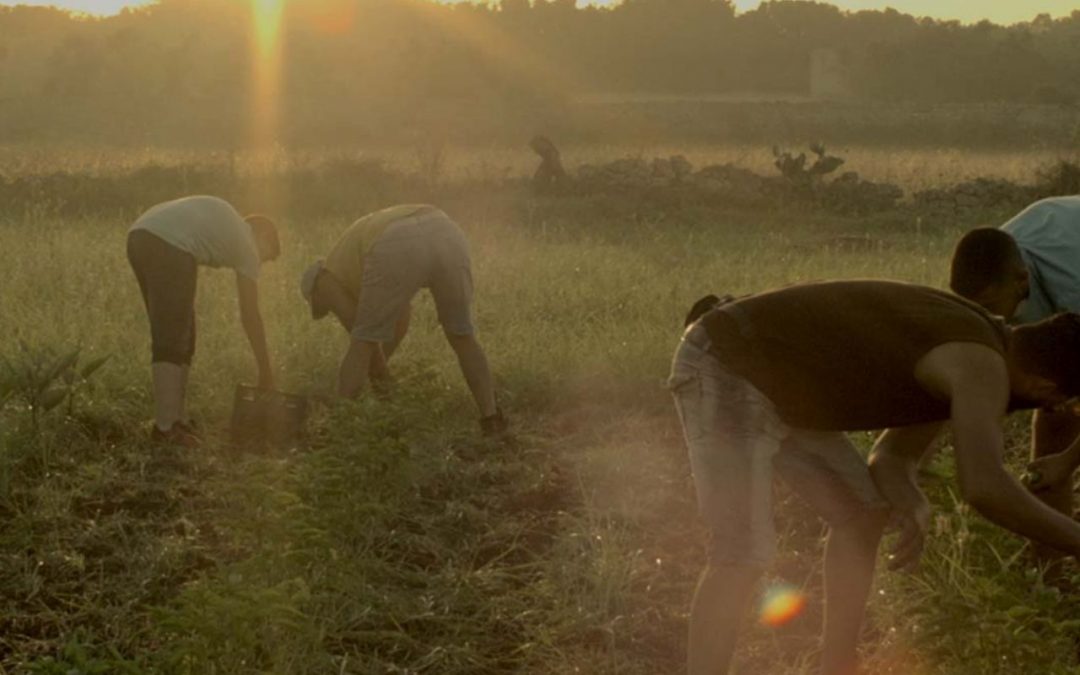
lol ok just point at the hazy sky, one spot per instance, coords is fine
(89, 6)
(999, 11)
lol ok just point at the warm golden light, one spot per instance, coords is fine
(782, 604)
(267, 15)
(524, 63)
(332, 17)
(267, 25)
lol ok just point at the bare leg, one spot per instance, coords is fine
(849, 570)
(400, 329)
(380, 366)
(1054, 469)
(185, 374)
(477, 372)
(169, 381)
(720, 602)
(379, 370)
(1053, 433)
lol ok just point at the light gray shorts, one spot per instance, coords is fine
(424, 250)
(737, 442)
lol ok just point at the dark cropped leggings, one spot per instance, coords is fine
(167, 277)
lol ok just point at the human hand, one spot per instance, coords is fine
(913, 525)
(1068, 406)
(1048, 471)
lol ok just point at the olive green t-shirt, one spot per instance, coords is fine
(841, 355)
(346, 259)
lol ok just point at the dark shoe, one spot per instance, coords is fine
(494, 425)
(176, 435)
(190, 427)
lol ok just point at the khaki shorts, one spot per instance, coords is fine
(737, 442)
(425, 250)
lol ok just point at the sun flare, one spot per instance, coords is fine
(267, 25)
(782, 604)
(267, 15)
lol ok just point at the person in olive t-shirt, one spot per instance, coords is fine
(368, 281)
(765, 385)
(1026, 271)
(165, 246)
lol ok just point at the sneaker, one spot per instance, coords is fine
(190, 427)
(176, 435)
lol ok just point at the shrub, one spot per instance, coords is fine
(1062, 178)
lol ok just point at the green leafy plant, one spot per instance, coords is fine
(80, 656)
(39, 381)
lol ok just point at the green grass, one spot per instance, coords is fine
(398, 541)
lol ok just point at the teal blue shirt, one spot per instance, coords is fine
(1048, 234)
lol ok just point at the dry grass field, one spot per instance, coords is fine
(396, 540)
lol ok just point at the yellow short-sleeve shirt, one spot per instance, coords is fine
(346, 259)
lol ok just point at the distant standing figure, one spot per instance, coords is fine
(165, 246)
(1026, 271)
(550, 173)
(368, 281)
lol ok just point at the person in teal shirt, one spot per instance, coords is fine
(1028, 270)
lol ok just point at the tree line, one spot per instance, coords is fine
(184, 67)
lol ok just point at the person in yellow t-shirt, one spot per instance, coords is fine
(368, 281)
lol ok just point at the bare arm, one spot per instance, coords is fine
(894, 465)
(977, 383)
(401, 328)
(346, 319)
(365, 360)
(996, 494)
(248, 292)
(355, 371)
